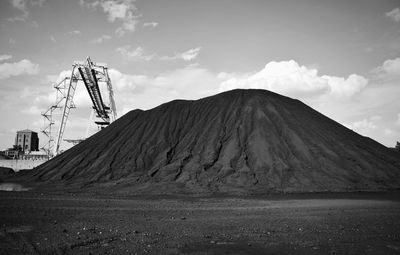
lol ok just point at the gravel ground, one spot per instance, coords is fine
(36, 223)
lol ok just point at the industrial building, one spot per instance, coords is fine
(27, 140)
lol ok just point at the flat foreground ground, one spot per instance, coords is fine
(34, 223)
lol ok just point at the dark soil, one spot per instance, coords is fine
(6, 172)
(359, 223)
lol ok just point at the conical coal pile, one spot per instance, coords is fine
(240, 141)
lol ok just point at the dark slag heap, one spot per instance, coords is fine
(236, 142)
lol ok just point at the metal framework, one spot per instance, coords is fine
(91, 74)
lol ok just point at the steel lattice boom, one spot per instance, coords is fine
(91, 74)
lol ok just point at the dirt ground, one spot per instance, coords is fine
(362, 223)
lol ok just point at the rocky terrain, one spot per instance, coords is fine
(236, 142)
(5, 172)
(37, 223)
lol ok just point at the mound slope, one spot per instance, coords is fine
(246, 141)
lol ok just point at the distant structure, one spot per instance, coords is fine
(24, 154)
(11, 153)
(27, 140)
(35, 155)
(26, 146)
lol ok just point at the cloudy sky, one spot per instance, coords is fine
(341, 57)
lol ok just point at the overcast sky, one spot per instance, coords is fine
(341, 57)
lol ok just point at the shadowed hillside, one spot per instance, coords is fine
(240, 141)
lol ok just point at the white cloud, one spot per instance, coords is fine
(22, 6)
(186, 55)
(140, 54)
(56, 78)
(150, 24)
(100, 39)
(5, 57)
(34, 110)
(398, 120)
(19, 4)
(365, 126)
(11, 41)
(394, 14)
(118, 10)
(45, 99)
(24, 66)
(340, 86)
(389, 67)
(42, 101)
(53, 39)
(123, 11)
(289, 78)
(126, 82)
(189, 54)
(362, 124)
(136, 54)
(81, 97)
(145, 92)
(388, 131)
(74, 32)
